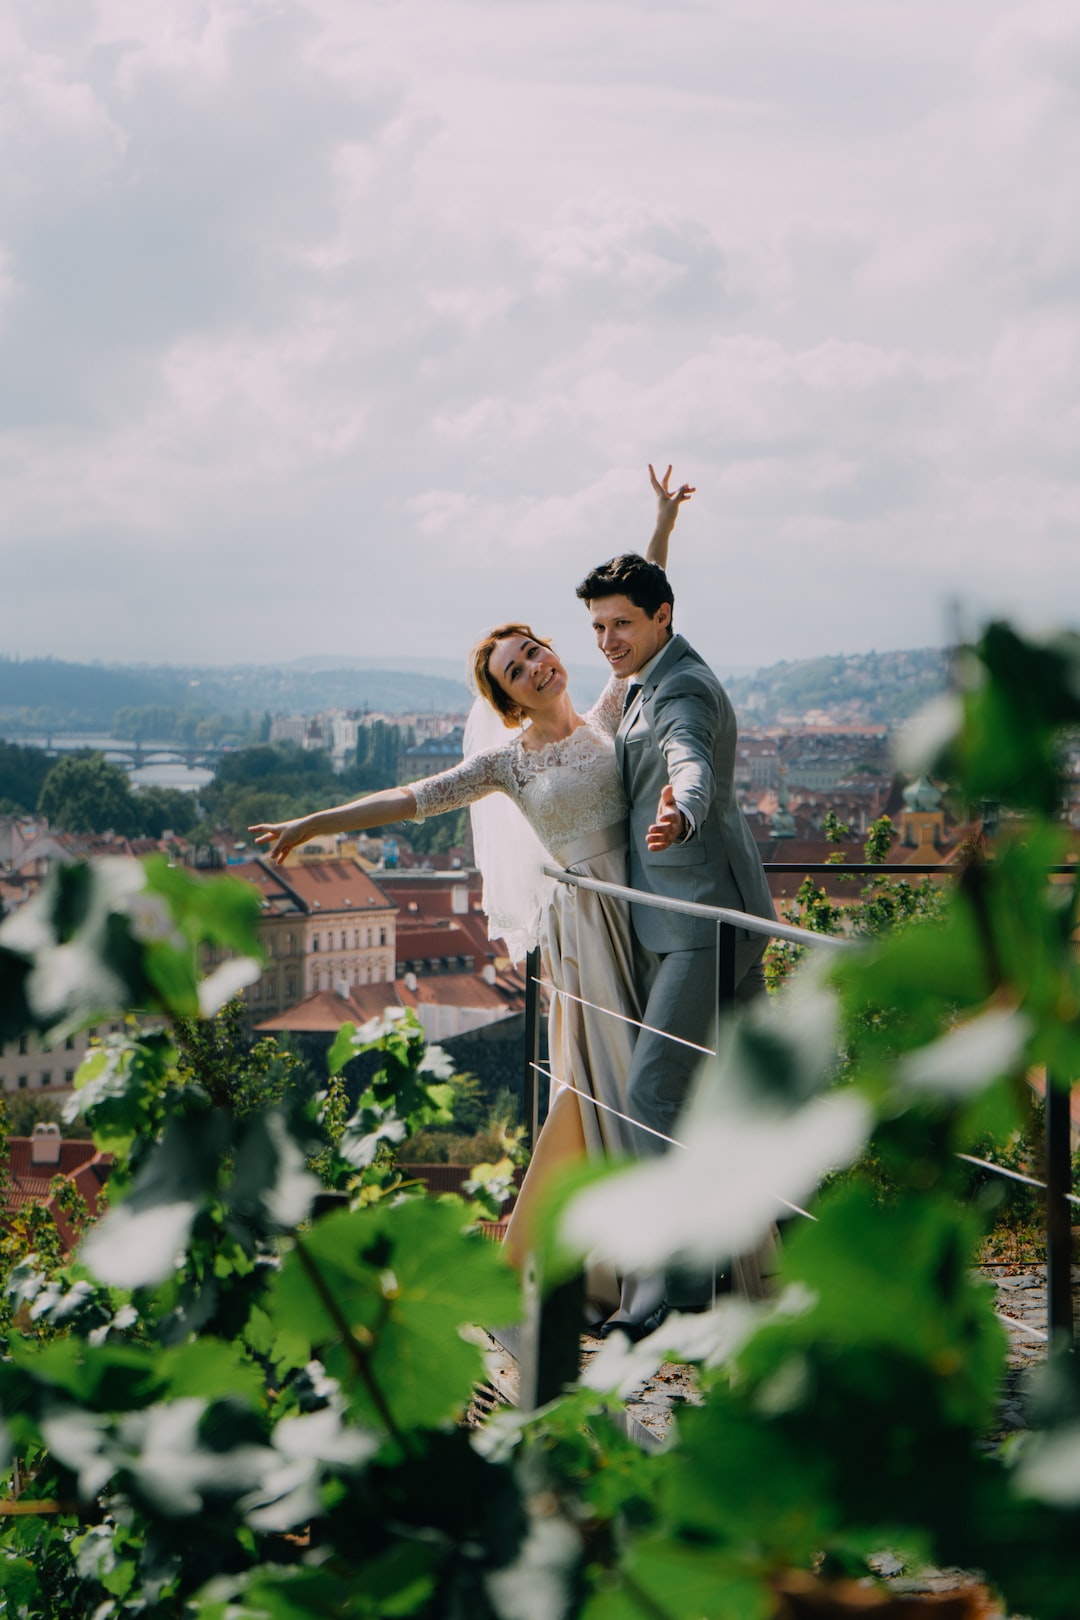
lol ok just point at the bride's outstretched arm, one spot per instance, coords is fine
(374, 810)
(667, 510)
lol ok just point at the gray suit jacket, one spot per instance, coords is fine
(680, 728)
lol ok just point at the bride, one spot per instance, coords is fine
(559, 771)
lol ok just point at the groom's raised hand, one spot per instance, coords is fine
(670, 824)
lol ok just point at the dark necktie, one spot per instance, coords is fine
(632, 690)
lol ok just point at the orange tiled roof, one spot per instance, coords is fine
(325, 1011)
(29, 1183)
(278, 900)
(413, 943)
(335, 885)
(469, 990)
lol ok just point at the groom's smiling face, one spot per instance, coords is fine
(626, 635)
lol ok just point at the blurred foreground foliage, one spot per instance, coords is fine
(242, 1399)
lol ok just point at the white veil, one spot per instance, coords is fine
(510, 856)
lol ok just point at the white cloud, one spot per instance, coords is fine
(416, 293)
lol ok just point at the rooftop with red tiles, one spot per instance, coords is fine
(336, 885)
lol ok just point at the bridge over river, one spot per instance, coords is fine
(148, 763)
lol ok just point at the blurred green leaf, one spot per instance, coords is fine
(112, 1377)
(367, 1131)
(681, 1582)
(1008, 750)
(405, 1280)
(118, 1089)
(343, 1048)
(271, 1184)
(137, 1241)
(866, 1260)
(393, 1586)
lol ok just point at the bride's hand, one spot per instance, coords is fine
(282, 835)
(668, 501)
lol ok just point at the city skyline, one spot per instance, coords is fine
(351, 327)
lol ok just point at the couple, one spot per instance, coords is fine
(639, 789)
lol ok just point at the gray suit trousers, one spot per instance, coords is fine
(681, 996)
(681, 988)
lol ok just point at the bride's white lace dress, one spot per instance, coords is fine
(571, 793)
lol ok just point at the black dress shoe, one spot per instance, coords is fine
(636, 1331)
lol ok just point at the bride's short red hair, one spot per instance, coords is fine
(480, 664)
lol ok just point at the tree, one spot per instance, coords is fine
(84, 793)
(25, 1110)
(162, 809)
(22, 775)
(236, 1076)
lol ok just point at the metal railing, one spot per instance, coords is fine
(552, 1330)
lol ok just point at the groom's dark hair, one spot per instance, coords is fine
(645, 583)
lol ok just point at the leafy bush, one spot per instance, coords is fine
(236, 1405)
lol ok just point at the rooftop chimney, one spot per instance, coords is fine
(45, 1144)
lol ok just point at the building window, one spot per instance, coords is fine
(22, 1082)
(45, 1078)
(69, 1044)
(382, 936)
(69, 1077)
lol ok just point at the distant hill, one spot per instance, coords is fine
(40, 693)
(857, 689)
(59, 692)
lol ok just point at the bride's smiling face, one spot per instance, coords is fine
(530, 674)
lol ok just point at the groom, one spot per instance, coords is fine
(688, 838)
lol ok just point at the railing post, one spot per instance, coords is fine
(1059, 1307)
(725, 968)
(530, 1092)
(551, 1340)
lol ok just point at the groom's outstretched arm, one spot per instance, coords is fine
(695, 729)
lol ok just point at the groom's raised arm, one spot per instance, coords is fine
(667, 510)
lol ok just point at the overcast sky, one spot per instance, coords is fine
(341, 327)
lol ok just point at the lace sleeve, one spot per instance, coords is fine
(607, 711)
(473, 779)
